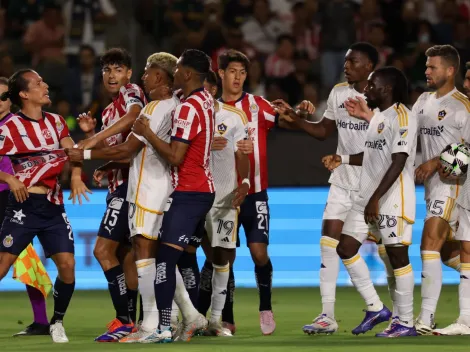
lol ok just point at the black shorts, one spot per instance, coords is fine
(3, 203)
(183, 222)
(254, 217)
(115, 223)
(36, 217)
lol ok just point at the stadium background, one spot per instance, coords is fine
(296, 47)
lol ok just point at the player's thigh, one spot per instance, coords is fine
(222, 228)
(337, 207)
(255, 217)
(440, 223)
(114, 224)
(463, 231)
(183, 216)
(449, 250)
(196, 238)
(355, 227)
(144, 248)
(57, 234)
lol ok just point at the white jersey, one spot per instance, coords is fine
(391, 131)
(351, 135)
(149, 174)
(463, 198)
(230, 123)
(440, 123)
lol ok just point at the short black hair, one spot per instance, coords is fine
(211, 78)
(367, 49)
(197, 60)
(116, 56)
(16, 84)
(447, 52)
(232, 55)
(397, 80)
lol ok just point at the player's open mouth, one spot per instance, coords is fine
(112, 84)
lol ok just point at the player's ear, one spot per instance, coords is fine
(221, 73)
(129, 73)
(23, 95)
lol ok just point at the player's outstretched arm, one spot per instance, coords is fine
(331, 162)
(243, 168)
(118, 152)
(122, 125)
(371, 211)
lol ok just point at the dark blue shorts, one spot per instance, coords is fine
(183, 222)
(115, 223)
(36, 217)
(254, 217)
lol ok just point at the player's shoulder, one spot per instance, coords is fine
(400, 113)
(131, 88)
(424, 97)
(158, 107)
(341, 88)
(234, 112)
(460, 101)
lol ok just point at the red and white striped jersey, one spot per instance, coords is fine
(130, 94)
(193, 123)
(33, 147)
(261, 118)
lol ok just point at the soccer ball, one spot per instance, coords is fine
(455, 158)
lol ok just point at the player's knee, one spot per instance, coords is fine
(104, 256)
(398, 256)
(222, 256)
(260, 257)
(66, 269)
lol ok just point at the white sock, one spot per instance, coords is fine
(453, 263)
(360, 277)
(431, 284)
(328, 274)
(464, 294)
(146, 271)
(175, 313)
(392, 283)
(220, 275)
(404, 294)
(183, 301)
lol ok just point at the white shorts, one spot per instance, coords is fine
(222, 227)
(392, 230)
(463, 225)
(339, 203)
(444, 208)
(143, 222)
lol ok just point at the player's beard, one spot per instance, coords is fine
(437, 83)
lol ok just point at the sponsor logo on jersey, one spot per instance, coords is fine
(46, 133)
(421, 112)
(8, 241)
(432, 131)
(380, 127)
(18, 217)
(360, 126)
(116, 203)
(261, 207)
(341, 106)
(254, 108)
(441, 115)
(182, 123)
(222, 128)
(403, 132)
(377, 144)
(402, 143)
(112, 140)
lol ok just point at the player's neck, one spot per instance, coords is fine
(160, 94)
(360, 86)
(384, 106)
(227, 96)
(445, 89)
(33, 112)
(191, 87)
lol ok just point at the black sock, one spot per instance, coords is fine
(189, 270)
(141, 309)
(165, 282)
(205, 288)
(118, 290)
(62, 295)
(132, 303)
(264, 279)
(227, 312)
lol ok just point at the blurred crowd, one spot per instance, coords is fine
(297, 47)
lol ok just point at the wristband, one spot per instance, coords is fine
(247, 181)
(344, 159)
(87, 154)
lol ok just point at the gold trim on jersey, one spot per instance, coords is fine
(235, 226)
(343, 84)
(402, 116)
(237, 111)
(402, 194)
(150, 107)
(450, 204)
(371, 237)
(463, 99)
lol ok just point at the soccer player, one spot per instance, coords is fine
(359, 62)
(40, 325)
(35, 207)
(385, 205)
(113, 234)
(441, 116)
(231, 124)
(254, 212)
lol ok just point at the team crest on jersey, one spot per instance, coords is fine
(46, 133)
(222, 128)
(380, 127)
(254, 108)
(8, 241)
(441, 115)
(60, 126)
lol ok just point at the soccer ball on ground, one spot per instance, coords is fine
(455, 158)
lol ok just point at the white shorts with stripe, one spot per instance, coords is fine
(144, 222)
(392, 230)
(463, 226)
(222, 227)
(444, 208)
(339, 203)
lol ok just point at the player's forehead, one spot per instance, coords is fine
(32, 77)
(434, 61)
(355, 55)
(236, 66)
(114, 66)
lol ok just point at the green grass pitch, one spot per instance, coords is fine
(293, 307)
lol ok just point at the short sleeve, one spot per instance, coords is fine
(7, 147)
(62, 128)
(186, 124)
(330, 107)
(403, 132)
(240, 132)
(461, 118)
(266, 112)
(133, 95)
(155, 112)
